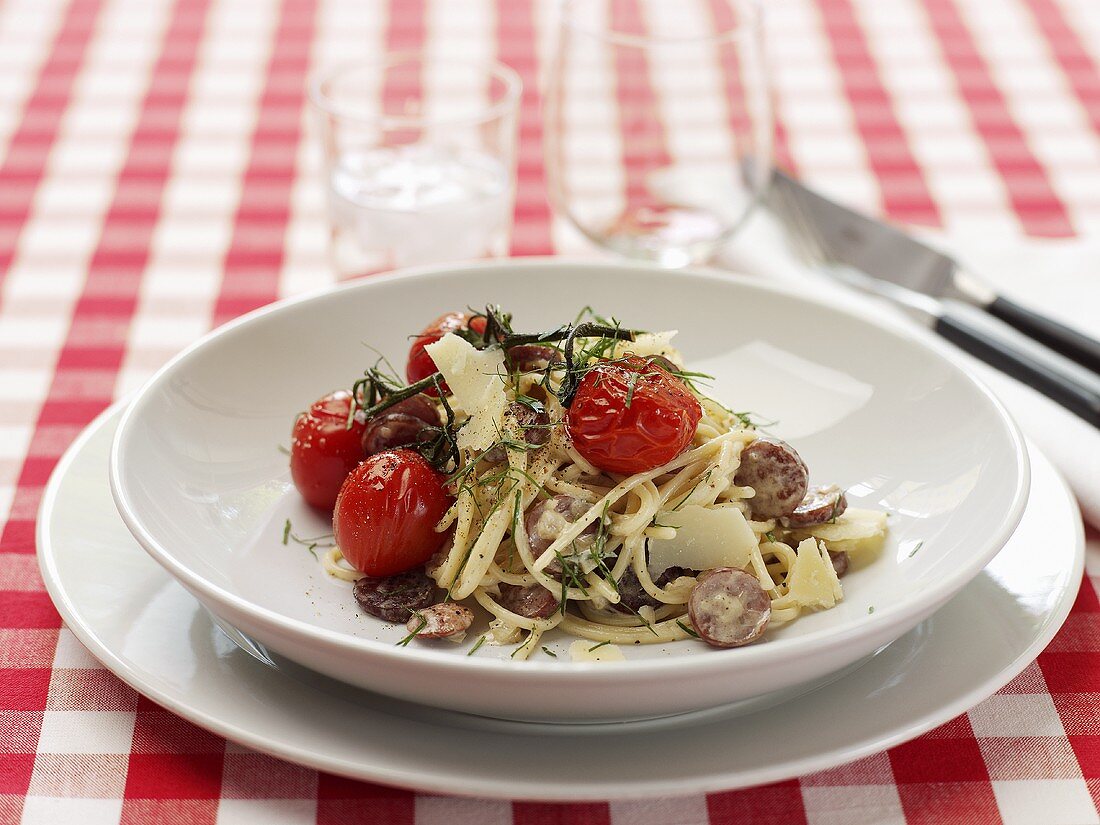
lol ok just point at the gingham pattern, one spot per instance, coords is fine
(155, 181)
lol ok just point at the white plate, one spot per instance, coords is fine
(154, 636)
(199, 481)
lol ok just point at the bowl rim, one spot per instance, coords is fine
(818, 641)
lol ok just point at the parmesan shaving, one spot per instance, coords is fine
(652, 343)
(476, 380)
(813, 581)
(704, 538)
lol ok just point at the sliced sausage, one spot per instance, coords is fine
(546, 520)
(394, 598)
(438, 621)
(406, 422)
(778, 475)
(536, 431)
(729, 608)
(821, 505)
(532, 602)
(633, 597)
(533, 357)
(840, 562)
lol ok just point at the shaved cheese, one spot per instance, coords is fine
(705, 538)
(476, 381)
(851, 525)
(812, 581)
(584, 650)
(651, 343)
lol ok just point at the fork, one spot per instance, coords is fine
(1033, 364)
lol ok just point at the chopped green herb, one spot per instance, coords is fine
(420, 626)
(770, 536)
(474, 649)
(286, 532)
(597, 647)
(870, 610)
(687, 629)
(631, 384)
(913, 552)
(549, 652)
(282, 448)
(526, 642)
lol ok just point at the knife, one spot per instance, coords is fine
(884, 251)
(931, 286)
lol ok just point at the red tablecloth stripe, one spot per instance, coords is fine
(1026, 181)
(178, 773)
(517, 46)
(24, 163)
(1081, 70)
(905, 193)
(256, 250)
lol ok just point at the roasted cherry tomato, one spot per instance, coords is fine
(323, 449)
(385, 516)
(631, 415)
(420, 364)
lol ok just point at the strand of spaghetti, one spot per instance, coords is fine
(523, 652)
(666, 631)
(650, 587)
(621, 489)
(648, 500)
(782, 615)
(631, 546)
(466, 507)
(484, 549)
(503, 613)
(561, 486)
(330, 561)
(613, 619)
(523, 545)
(760, 570)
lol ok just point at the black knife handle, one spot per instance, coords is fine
(1062, 339)
(1079, 399)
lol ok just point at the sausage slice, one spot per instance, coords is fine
(821, 505)
(394, 598)
(729, 608)
(778, 475)
(532, 602)
(438, 621)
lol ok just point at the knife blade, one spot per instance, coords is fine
(885, 252)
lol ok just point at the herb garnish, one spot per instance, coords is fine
(309, 543)
(474, 649)
(687, 629)
(423, 623)
(913, 552)
(597, 647)
(549, 652)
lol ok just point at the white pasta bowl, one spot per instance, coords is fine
(199, 477)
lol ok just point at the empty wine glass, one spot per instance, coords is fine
(658, 124)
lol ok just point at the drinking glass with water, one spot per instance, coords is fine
(419, 160)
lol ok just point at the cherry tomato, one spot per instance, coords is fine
(385, 516)
(323, 449)
(631, 415)
(420, 364)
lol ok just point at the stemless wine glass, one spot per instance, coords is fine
(420, 159)
(658, 124)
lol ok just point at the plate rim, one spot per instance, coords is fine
(817, 641)
(431, 783)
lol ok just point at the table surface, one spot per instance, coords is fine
(157, 177)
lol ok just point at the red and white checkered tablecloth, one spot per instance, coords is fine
(156, 179)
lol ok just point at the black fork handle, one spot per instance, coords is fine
(1074, 345)
(1040, 374)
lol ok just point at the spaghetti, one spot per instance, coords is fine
(546, 530)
